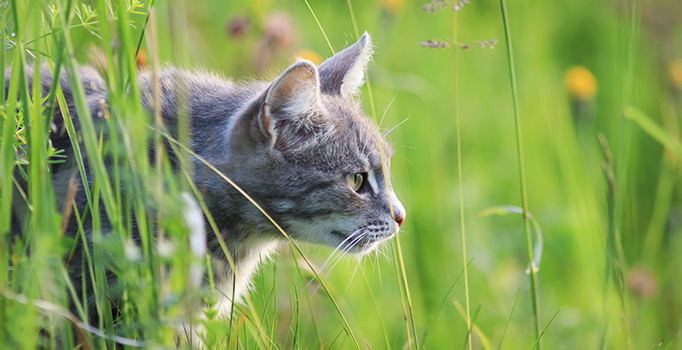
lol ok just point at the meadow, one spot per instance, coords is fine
(537, 154)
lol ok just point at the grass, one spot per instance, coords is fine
(535, 298)
(612, 244)
(459, 184)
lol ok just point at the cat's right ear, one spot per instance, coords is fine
(290, 98)
(344, 73)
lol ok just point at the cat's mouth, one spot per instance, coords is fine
(360, 241)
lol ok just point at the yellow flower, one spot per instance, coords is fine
(393, 6)
(309, 55)
(580, 83)
(675, 69)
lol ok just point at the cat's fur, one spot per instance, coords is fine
(289, 144)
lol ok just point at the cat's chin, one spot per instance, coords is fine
(365, 245)
(366, 249)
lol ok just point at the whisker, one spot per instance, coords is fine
(378, 270)
(336, 257)
(356, 269)
(340, 246)
(393, 128)
(345, 251)
(387, 107)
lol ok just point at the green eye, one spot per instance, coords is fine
(355, 181)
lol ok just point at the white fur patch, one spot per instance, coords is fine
(355, 77)
(246, 267)
(373, 182)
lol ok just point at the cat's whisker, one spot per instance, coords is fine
(387, 107)
(344, 252)
(350, 236)
(351, 280)
(347, 249)
(360, 261)
(347, 246)
(378, 269)
(337, 253)
(399, 124)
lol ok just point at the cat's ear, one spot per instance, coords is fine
(344, 73)
(291, 97)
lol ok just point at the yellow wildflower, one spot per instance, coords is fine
(580, 83)
(393, 6)
(309, 55)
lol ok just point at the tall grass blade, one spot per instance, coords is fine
(459, 181)
(535, 301)
(307, 296)
(440, 308)
(320, 26)
(485, 341)
(653, 130)
(622, 200)
(376, 308)
(467, 340)
(511, 313)
(537, 342)
(672, 340)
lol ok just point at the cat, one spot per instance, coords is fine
(300, 146)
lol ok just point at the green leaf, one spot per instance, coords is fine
(653, 130)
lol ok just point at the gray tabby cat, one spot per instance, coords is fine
(300, 146)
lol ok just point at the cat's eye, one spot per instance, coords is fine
(356, 180)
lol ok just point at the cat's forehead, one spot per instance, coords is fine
(354, 131)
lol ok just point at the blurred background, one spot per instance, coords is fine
(611, 269)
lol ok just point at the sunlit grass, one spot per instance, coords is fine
(610, 255)
(535, 298)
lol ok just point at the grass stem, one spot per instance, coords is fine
(459, 181)
(535, 302)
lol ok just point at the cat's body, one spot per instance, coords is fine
(300, 146)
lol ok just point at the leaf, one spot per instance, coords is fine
(485, 342)
(653, 130)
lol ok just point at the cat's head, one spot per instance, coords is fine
(308, 154)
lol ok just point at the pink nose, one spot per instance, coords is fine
(400, 218)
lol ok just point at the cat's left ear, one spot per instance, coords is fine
(292, 96)
(344, 73)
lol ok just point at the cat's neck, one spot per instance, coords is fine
(247, 253)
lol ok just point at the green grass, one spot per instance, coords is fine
(535, 302)
(612, 238)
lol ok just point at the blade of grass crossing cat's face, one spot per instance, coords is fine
(299, 142)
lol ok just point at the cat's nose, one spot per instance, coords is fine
(398, 209)
(400, 218)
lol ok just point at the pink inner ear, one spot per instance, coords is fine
(296, 89)
(285, 88)
(293, 82)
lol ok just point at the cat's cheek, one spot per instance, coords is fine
(319, 230)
